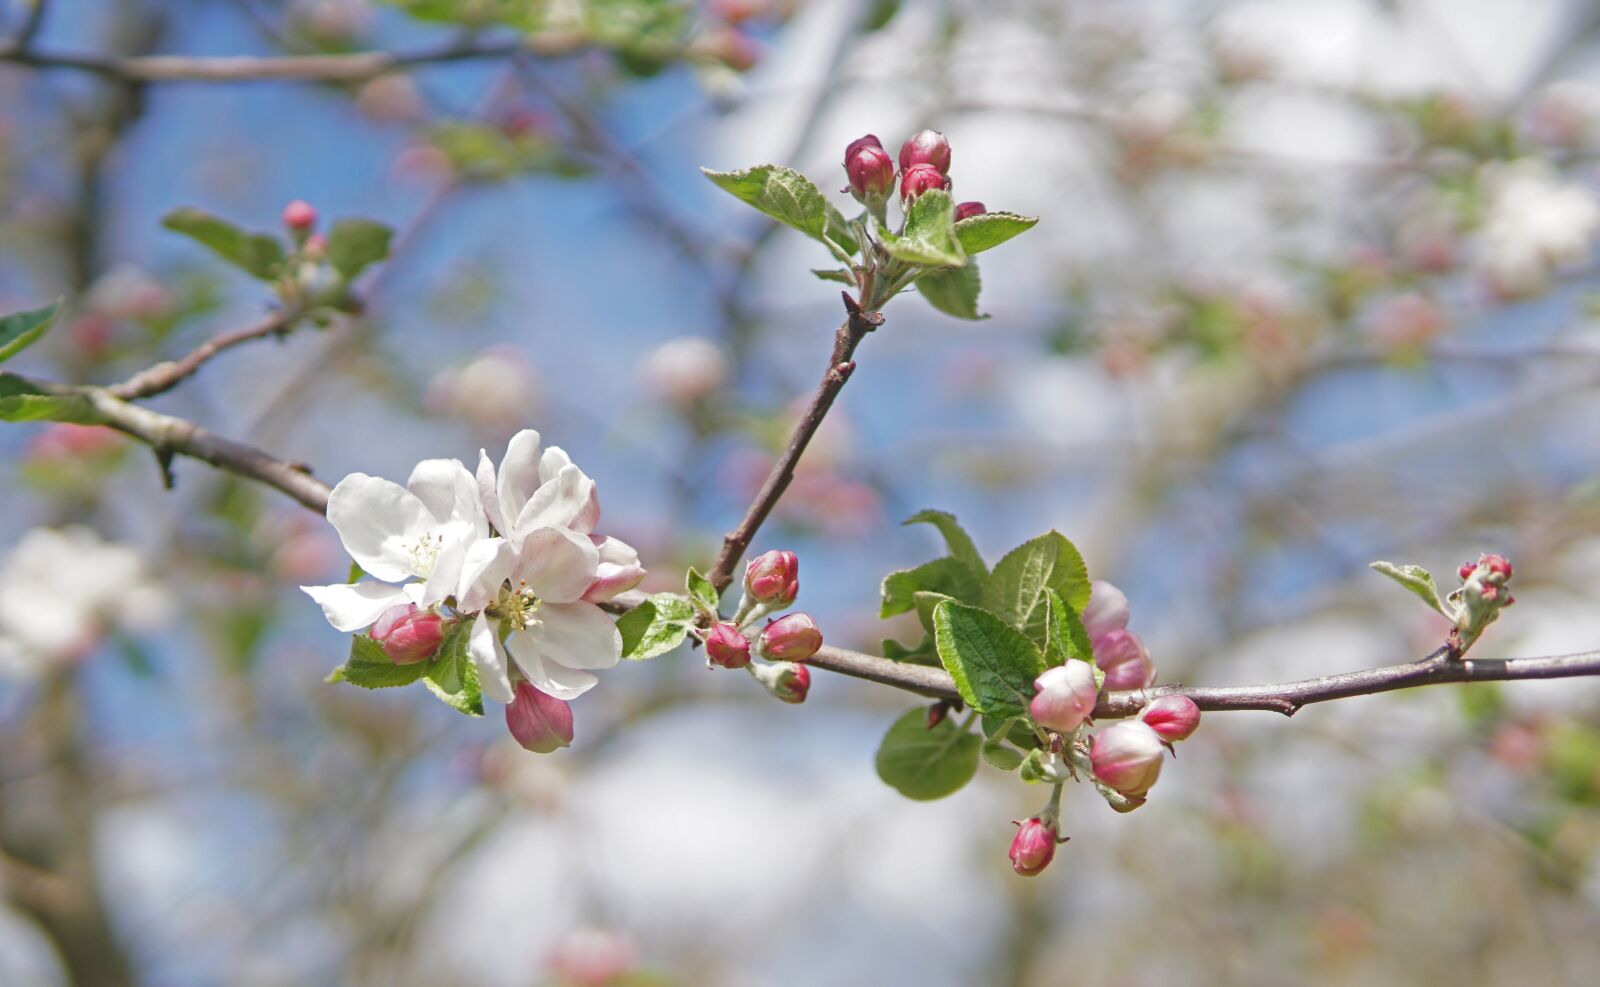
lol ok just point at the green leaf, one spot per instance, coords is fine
(257, 253)
(1016, 590)
(923, 654)
(954, 290)
(1066, 638)
(1416, 579)
(924, 764)
(980, 233)
(656, 626)
(1032, 769)
(1002, 755)
(790, 198)
(841, 275)
(925, 601)
(955, 537)
(994, 666)
(702, 594)
(452, 676)
(949, 576)
(19, 330)
(370, 668)
(354, 244)
(929, 237)
(23, 401)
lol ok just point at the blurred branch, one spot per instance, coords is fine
(32, 21)
(165, 376)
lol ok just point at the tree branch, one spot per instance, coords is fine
(165, 376)
(852, 331)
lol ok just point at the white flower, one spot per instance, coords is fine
(61, 589)
(422, 530)
(685, 370)
(1534, 222)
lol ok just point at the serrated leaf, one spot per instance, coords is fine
(925, 601)
(954, 290)
(841, 275)
(1015, 590)
(23, 401)
(655, 626)
(991, 229)
(1416, 579)
(1066, 639)
(1002, 755)
(922, 763)
(701, 593)
(955, 537)
(256, 253)
(929, 237)
(788, 197)
(19, 330)
(354, 244)
(452, 676)
(949, 576)
(993, 665)
(370, 668)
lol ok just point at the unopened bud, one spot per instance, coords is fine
(315, 247)
(967, 210)
(409, 635)
(1498, 565)
(1066, 696)
(1033, 847)
(727, 647)
(299, 216)
(870, 170)
(792, 637)
(927, 147)
(1127, 757)
(540, 722)
(773, 579)
(1107, 609)
(920, 179)
(619, 570)
(786, 680)
(1122, 656)
(1173, 718)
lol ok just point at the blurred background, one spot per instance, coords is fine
(1314, 284)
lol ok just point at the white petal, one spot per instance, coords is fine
(488, 564)
(554, 460)
(519, 475)
(487, 494)
(560, 501)
(577, 635)
(378, 522)
(450, 492)
(352, 606)
(547, 676)
(558, 564)
(446, 573)
(617, 552)
(483, 645)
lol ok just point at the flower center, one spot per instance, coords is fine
(516, 606)
(425, 552)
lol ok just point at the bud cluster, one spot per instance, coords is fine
(924, 164)
(1117, 651)
(1483, 594)
(771, 583)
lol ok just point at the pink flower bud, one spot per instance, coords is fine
(591, 958)
(1122, 656)
(927, 147)
(727, 647)
(1497, 565)
(870, 140)
(786, 680)
(409, 635)
(773, 579)
(1174, 718)
(967, 210)
(920, 179)
(1466, 569)
(540, 722)
(619, 570)
(1065, 698)
(792, 637)
(299, 216)
(316, 246)
(1107, 610)
(1127, 757)
(871, 172)
(1033, 847)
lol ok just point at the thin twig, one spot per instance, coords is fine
(165, 376)
(852, 331)
(29, 28)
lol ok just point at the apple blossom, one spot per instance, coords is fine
(1107, 609)
(869, 168)
(1122, 656)
(787, 680)
(1172, 717)
(535, 489)
(1033, 847)
(967, 210)
(926, 147)
(921, 178)
(1127, 757)
(299, 216)
(727, 646)
(792, 637)
(540, 722)
(409, 634)
(685, 371)
(617, 572)
(1065, 698)
(773, 578)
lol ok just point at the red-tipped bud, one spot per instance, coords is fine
(937, 714)
(786, 680)
(299, 216)
(1107, 610)
(409, 635)
(1033, 847)
(540, 722)
(1498, 565)
(1066, 696)
(967, 210)
(1122, 656)
(871, 172)
(773, 579)
(927, 147)
(727, 647)
(919, 179)
(1173, 718)
(792, 637)
(1127, 757)
(870, 140)
(1466, 569)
